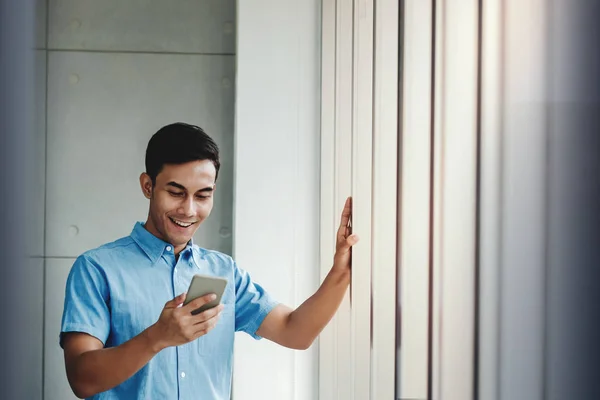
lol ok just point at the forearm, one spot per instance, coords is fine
(308, 320)
(99, 370)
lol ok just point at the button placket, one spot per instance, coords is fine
(179, 274)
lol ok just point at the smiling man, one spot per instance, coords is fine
(125, 331)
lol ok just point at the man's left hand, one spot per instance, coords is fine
(342, 261)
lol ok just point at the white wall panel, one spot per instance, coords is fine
(524, 203)
(514, 202)
(358, 143)
(385, 199)
(329, 338)
(362, 187)
(103, 108)
(454, 199)
(491, 205)
(190, 26)
(56, 386)
(414, 207)
(277, 183)
(336, 353)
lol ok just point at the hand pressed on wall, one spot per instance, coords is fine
(342, 260)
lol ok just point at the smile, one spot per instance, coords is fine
(182, 223)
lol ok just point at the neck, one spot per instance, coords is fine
(149, 226)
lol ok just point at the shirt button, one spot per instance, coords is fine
(168, 248)
(183, 374)
(175, 269)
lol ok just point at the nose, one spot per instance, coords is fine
(187, 207)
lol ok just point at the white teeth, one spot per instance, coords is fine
(182, 224)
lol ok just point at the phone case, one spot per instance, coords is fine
(202, 285)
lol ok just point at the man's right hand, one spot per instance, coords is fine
(176, 324)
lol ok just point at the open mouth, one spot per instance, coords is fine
(182, 224)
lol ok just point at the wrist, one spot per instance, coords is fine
(152, 339)
(340, 275)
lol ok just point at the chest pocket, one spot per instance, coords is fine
(131, 315)
(220, 339)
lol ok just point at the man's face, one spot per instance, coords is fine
(180, 200)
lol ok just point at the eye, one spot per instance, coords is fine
(175, 194)
(203, 197)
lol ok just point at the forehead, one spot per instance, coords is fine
(194, 175)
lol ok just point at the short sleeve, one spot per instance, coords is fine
(86, 306)
(252, 303)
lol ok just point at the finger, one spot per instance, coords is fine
(346, 216)
(176, 301)
(199, 302)
(207, 314)
(203, 328)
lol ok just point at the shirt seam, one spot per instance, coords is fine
(69, 327)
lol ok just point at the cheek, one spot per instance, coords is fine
(162, 206)
(205, 208)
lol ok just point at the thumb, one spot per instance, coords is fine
(352, 240)
(347, 244)
(176, 301)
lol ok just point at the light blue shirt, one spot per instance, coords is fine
(116, 291)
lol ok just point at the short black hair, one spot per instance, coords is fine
(179, 143)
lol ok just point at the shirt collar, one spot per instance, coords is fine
(151, 245)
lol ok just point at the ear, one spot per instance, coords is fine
(146, 185)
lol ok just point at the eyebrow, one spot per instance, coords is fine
(181, 187)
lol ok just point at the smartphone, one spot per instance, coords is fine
(202, 285)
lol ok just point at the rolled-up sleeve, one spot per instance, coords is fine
(252, 303)
(86, 306)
